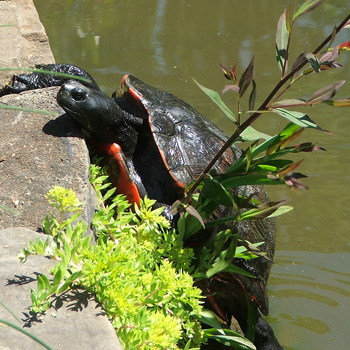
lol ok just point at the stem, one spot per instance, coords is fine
(293, 81)
(256, 115)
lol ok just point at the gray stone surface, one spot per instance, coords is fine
(38, 151)
(24, 42)
(77, 322)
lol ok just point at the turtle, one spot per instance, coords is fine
(156, 144)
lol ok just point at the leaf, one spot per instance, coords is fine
(250, 134)
(231, 87)
(252, 96)
(289, 103)
(229, 338)
(249, 158)
(208, 318)
(329, 56)
(281, 210)
(215, 191)
(246, 78)
(227, 72)
(262, 211)
(289, 169)
(109, 193)
(339, 103)
(314, 62)
(215, 97)
(192, 211)
(306, 7)
(222, 265)
(300, 59)
(292, 181)
(298, 118)
(282, 40)
(57, 278)
(326, 93)
(286, 139)
(247, 179)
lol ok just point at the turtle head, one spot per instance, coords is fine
(100, 115)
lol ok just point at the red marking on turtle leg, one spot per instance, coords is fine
(118, 170)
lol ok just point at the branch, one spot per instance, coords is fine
(256, 115)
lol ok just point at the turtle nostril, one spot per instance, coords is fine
(78, 95)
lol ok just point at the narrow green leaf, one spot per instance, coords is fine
(41, 284)
(229, 338)
(261, 211)
(297, 118)
(23, 331)
(63, 288)
(246, 78)
(306, 7)
(63, 265)
(215, 97)
(45, 280)
(281, 210)
(29, 110)
(250, 134)
(109, 194)
(181, 227)
(44, 71)
(43, 296)
(57, 278)
(249, 158)
(250, 179)
(216, 192)
(326, 93)
(208, 318)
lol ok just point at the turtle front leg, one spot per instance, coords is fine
(32, 81)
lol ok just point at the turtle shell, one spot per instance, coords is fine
(187, 141)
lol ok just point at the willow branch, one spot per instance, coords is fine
(256, 115)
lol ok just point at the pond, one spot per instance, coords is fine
(167, 43)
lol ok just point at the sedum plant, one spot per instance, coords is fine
(138, 270)
(139, 276)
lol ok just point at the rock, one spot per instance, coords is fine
(77, 323)
(29, 44)
(38, 151)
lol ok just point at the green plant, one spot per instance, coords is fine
(139, 275)
(262, 163)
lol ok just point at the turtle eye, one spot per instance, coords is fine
(78, 95)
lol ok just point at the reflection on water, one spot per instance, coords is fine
(166, 43)
(310, 293)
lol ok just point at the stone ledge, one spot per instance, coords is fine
(76, 323)
(38, 151)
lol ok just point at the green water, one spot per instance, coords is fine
(166, 43)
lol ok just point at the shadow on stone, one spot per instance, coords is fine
(63, 126)
(21, 280)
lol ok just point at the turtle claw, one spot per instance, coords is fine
(265, 338)
(173, 218)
